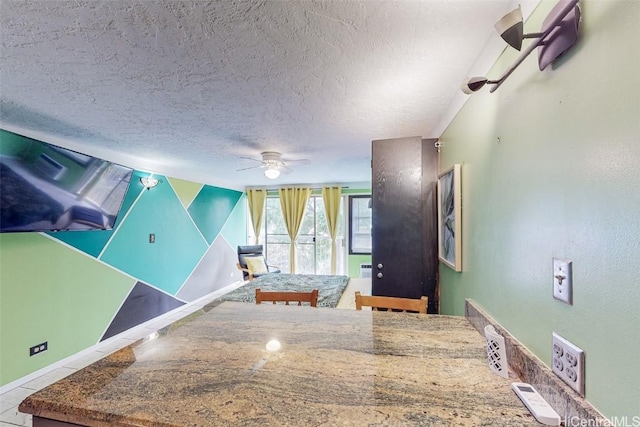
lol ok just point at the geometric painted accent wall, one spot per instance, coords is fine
(143, 303)
(91, 285)
(211, 209)
(178, 245)
(213, 272)
(183, 237)
(55, 293)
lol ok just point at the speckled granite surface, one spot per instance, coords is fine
(573, 409)
(335, 367)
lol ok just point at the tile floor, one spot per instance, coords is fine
(9, 401)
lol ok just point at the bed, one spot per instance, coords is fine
(330, 288)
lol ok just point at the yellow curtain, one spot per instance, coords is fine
(256, 198)
(331, 198)
(293, 202)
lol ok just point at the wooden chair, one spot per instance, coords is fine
(287, 297)
(254, 251)
(392, 303)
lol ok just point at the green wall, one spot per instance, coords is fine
(74, 289)
(50, 292)
(353, 264)
(551, 168)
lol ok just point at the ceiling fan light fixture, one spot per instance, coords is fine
(273, 165)
(272, 172)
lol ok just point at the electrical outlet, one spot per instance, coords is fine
(568, 363)
(562, 280)
(37, 349)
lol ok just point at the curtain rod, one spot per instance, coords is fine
(312, 188)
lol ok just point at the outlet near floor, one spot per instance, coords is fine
(37, 349)
(568, 363)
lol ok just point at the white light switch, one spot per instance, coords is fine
(562, 281)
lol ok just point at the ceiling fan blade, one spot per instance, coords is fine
(252, 167)
(251, 158)
(297, 162)
(271, 159)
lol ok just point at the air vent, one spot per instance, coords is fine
(365, 270)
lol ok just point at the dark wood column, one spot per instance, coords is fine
(404, 257)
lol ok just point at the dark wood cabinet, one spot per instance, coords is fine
(404, 230)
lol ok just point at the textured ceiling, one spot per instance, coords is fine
(188, 88)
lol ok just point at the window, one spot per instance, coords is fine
(313, 255)
(360, 225)
(314, 241)
(276, 237)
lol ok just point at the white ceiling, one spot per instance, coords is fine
(188, 88)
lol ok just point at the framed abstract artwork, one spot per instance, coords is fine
(449, 218)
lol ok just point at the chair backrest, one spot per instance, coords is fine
(247, 251)
(287, 297)
(392, 303)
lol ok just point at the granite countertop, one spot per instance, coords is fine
(335, 367)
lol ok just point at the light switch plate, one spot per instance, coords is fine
(562, 280)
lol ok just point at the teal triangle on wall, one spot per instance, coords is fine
(235, 229)
(211, 209)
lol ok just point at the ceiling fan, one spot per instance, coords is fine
(273, 164)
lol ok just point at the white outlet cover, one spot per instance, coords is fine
(567, 362)
(563, 280)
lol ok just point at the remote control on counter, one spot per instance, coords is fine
(540, 408)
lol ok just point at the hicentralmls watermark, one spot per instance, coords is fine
(603, 422)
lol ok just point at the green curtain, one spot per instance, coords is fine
(331, 198)
(293, 202)
(256, 198)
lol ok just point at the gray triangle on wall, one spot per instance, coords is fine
(143, 303)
